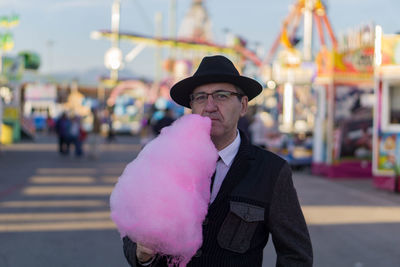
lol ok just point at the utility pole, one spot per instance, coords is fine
(172, 25)
(308, 28)
(115, 18)
(172, 19)
(157, 79)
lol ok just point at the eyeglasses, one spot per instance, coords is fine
(218, 96)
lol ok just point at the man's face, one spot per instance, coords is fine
(223, 114)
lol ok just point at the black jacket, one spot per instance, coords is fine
(257, 198)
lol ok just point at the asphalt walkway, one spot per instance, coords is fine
(54, 211)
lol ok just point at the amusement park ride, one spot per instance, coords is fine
(308, 10)
(294, 71)
(288, 71)
(194, 38)
(193, 42)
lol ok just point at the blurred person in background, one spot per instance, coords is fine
(109, 120)
(258, 131)
(62, 128)
(146, 130)
(77, 135)
(50, 124)
(244, 125)
(166, 120)
(95, 135)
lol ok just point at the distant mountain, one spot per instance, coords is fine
(91, 76)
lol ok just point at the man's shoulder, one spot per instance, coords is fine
(260, 153)
(267, 160)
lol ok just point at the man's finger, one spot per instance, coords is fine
(145, 250)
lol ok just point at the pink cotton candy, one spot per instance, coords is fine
(162, 197)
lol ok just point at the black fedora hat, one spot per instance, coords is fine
(213, 69)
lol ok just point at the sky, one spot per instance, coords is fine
(59, 30)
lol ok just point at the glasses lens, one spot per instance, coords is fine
(221, 95)
(199, 98)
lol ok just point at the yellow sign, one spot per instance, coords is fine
(5, 134)
(11, 113)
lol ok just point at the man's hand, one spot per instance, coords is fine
(144, 254)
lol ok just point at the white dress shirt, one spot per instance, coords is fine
(227, 155)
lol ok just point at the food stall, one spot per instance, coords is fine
(40, 103)
(386, 134)
(342, 145)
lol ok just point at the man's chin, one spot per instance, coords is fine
(215, 132)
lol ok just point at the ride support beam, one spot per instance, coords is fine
(275, 45)
(320, 30)
(296, 23)
(330, 31)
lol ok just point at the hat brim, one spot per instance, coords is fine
(182, 90)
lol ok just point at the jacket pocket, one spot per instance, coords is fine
(239, 226)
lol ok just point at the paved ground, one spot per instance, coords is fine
(54, 211)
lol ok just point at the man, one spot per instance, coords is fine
(252, 194)
(63, 125)
(165, 121)
(95, 135)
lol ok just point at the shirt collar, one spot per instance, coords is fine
(228, 153)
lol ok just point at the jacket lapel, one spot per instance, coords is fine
(237, 171)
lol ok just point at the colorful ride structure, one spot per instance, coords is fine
(290, 74)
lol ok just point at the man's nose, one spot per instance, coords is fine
(210, 104)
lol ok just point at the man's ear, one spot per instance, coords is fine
(244, 105)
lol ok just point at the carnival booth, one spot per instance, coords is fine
(40, 103)
(386, 137)
(342, 145)
(10, 90)
(127, 100)
(290, 135)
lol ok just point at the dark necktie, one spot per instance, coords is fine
(213, 177)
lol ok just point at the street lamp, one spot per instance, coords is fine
(113, 56)
(113, 59)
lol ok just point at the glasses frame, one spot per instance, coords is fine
(213, 94)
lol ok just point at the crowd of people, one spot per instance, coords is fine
(74, 131)
(70, 132)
